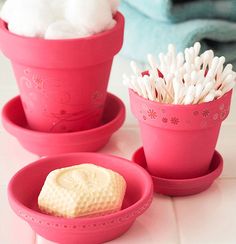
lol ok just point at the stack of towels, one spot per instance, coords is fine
(152, 24)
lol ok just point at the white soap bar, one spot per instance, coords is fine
(82, 190)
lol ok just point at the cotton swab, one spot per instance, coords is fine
(197, 47)
(187, 78)
(228, 87)
(190, 94)
(182, 94)
(153, 65)
(206, 89)
(227, 70)
(209, 97)
(198, 93)
(148, 87)
(135, 68)
(179, 60)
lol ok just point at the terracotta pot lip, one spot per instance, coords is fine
(177, 106)
(119, 24)
(180, 117)
(63, 54)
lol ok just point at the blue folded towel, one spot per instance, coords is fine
(181, 10)
(145, 35)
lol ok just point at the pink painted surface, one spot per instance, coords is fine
(45, 143)
(183, 187)
(179, 140)
(63, 83)
(168, 220)
(25, 185)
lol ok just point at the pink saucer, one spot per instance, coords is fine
(25, 185)
(183, 187)
(43, 143)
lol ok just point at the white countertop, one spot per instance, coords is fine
(205, 218)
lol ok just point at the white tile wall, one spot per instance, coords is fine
(209, 217)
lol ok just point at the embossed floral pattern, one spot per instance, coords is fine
(179, 118)
(32, 80)
(164, 120)
(205, 113)
(152, 114)
(38, 82)
(174, 120)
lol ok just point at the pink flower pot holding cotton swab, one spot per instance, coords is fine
(179, 140)
(63, 83)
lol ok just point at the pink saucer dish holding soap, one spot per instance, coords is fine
(43, 143)
(183, 187)
(63, 83)
(25, 186)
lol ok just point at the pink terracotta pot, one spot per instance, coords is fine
(43, 143)
(63, 83)
(179, 140)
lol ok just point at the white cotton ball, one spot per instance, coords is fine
(58, 8)
(31, 20)
(91, 16)
(10, 8)
(6, 10)
(111, 25)
(39, 18)
(114, 5)
(62, 30)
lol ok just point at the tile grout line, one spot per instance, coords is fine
(3, 185)
(227, 178)
(176, 220)
(35, 238)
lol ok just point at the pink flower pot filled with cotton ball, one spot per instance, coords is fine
(179, 140)
(63, 83)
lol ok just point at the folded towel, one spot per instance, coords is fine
(144, 35)
(181, 10)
